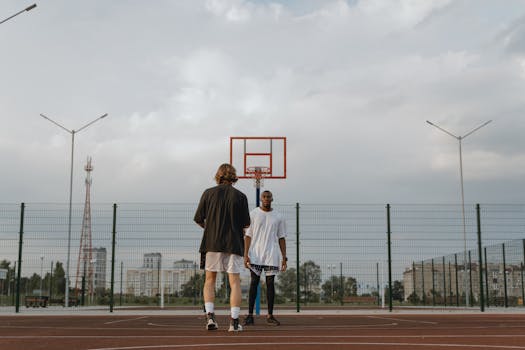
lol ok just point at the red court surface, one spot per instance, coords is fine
(368, 332)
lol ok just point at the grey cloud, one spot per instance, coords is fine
(350, 89)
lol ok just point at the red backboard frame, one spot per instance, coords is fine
(244, 173)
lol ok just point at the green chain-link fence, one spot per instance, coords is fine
(338, 255)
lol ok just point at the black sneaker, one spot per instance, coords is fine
(248, 321)
(234, 325)
(211, 324)
(272, 321)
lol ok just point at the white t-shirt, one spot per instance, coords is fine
(265, 230)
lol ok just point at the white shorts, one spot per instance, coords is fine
(223, 262)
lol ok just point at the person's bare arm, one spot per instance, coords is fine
(247, 243)
(282, 246)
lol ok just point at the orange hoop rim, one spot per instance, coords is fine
(258, 172)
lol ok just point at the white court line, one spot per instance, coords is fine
(244, 335)
(126, 320)
(401, 319)
(312, 343)
(287, 327)
(283, 327)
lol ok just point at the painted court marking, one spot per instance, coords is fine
(314, 343)
(126, 320)
(401, 319)
(291, 327)
(310, 341)
(294, 327)
(461, 336)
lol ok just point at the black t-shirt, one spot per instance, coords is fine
(224, 212)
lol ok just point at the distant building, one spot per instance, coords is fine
(99, 256)
(183, 271)
(147, 280)
(450, 279)
(184, 264)
(152, 261)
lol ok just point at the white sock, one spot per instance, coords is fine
(235, 310)
(210, 308)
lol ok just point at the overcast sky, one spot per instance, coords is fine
(349, 83)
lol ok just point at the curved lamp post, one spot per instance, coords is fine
(29, 8)
(72, 132)
(460, 138)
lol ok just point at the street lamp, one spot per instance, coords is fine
(29, 8)
(72, 132)
(460, 138)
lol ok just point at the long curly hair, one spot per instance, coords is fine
(226, 174)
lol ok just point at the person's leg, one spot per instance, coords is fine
(235, 286)
(209, 288)
(254, 282)
(235, 301)
(209, 299)
(270, 293)
(234, 265)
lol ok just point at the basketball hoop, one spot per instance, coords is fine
(258, 173)
(247, 153)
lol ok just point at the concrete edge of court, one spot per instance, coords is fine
(123, 311)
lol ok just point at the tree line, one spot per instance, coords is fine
(54, 282)
(312, 290)
(334, 289)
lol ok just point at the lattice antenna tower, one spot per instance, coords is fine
(85, 253)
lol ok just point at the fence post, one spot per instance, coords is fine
(522, 289)
(505, 275)
(341, 282)
(414, 292)
(480, 262)
(389, 232)
(423, 282)
(114, 233)
(20, 244)
(377, 281)
(450, 281)
(433, 285)
(457, 284)
(522, 285)
(298, 289)
(486, 276)
(471, 295)
(444, 282)
(51, 282)
(122, 278)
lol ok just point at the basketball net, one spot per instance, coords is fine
(258, 174)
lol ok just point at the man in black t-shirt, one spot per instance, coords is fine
(223, 213)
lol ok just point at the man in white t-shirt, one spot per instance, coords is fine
(264, 250)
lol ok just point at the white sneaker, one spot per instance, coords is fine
(235, 326)
(211, 324)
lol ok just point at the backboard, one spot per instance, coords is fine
(265, 154)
